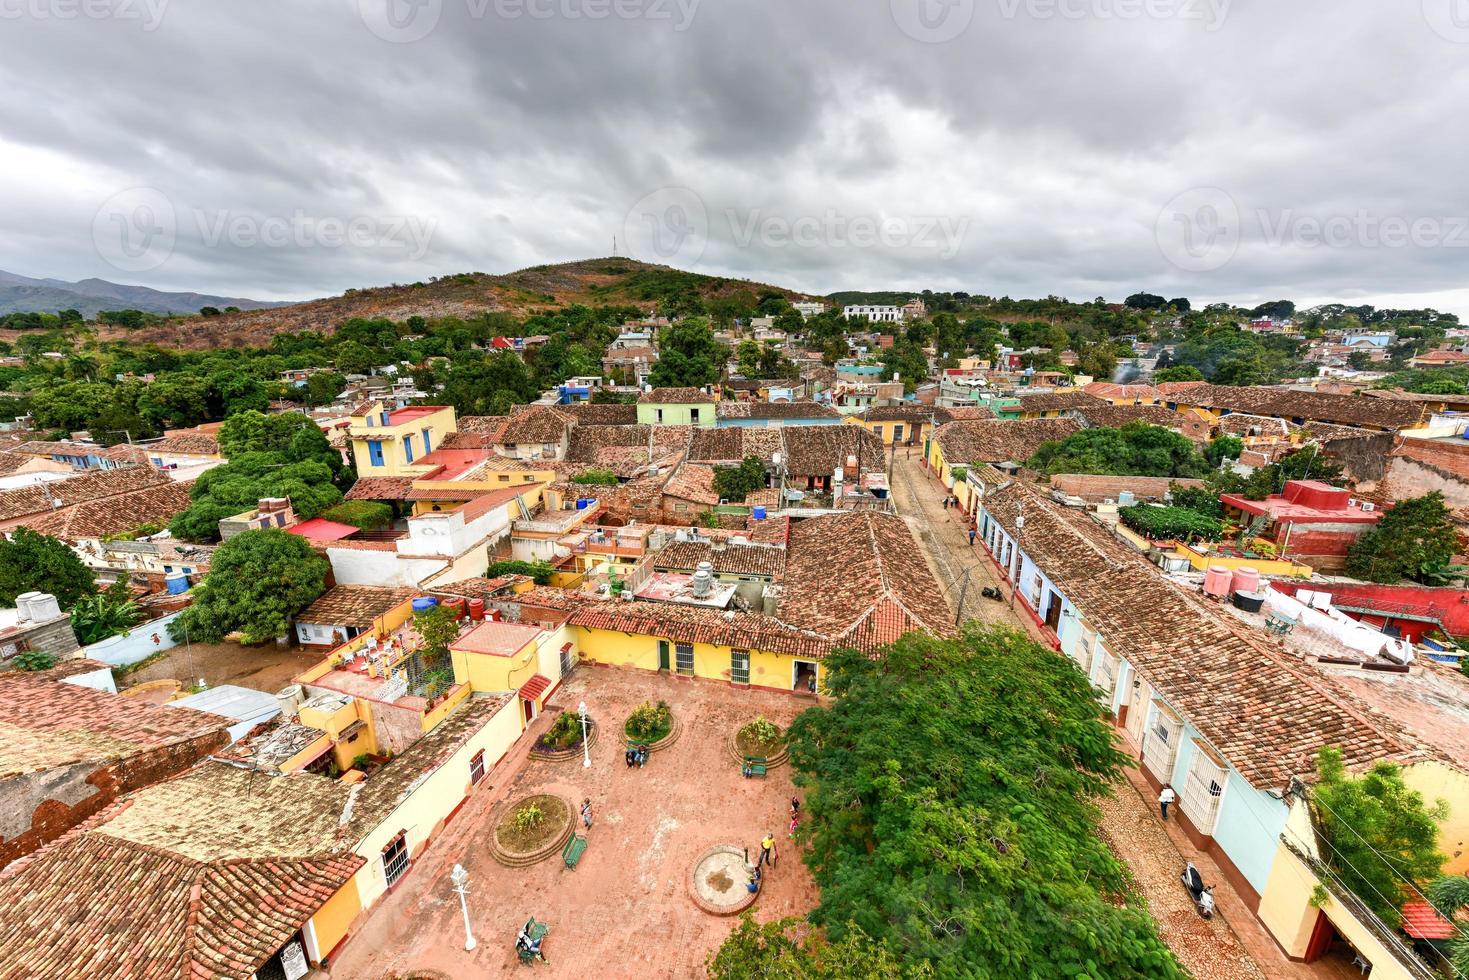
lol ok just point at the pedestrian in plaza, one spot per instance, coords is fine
(1165, 799)
(767, 850)
(972, 535)
(794, 820)
(586, 813)
(795, 805)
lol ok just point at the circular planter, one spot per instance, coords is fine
(673, 733)
(717, 881)
(771, 761)
(523, 859)
(562, 755)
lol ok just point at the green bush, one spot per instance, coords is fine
(364, 514)
(564, 732)
(35, 660)
(650, 722)
(539, 570)
(596, 478)
(1177, 523)
(528, 817)
(733, 483)
(761, 730)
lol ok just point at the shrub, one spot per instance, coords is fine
(539, 570)
(564, 732)
(363, 514)
(528, 817)
(596, 478)
(35, 660)
(649, 722)
(733, 483)
(1180, 523)
(761, 730)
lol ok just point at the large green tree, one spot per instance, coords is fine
(1415, 540)
(771, 951)
(688, 356)
(257, 582)
(31, 562)
(1136, 449)
(950, 815)
(1381, 836)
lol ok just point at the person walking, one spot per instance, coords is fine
(972, 535)
(586, 813)
(1165, 799)
(767, 850)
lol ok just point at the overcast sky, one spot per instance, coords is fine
(1216, 149)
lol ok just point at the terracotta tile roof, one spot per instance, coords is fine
(354, 605)
(127, 453)
(589, 413)
(380, 488)
(775, 410)
(1266, 714)
(693, 481)
(391, 785)
(100, 907)
(1315, 406)
(42, 448)
(46, 723)
(630, 355)
(733, 559)
(718, 445)
(1056, 401)
(1108, 389)
(537, 423)
(120, 513)
(1243, 424)
(772, 530)
(861, 580)
(962, 413)
(87, 485)
(484, 424)
(998, 441)
(683, 624)
(816, 450)
(898, 413)
(186, 443)
(674, 396)
(587, 440)
(11, 461)
(1116, 416)
(479, 588)
(1174, 387)
(1099, 488)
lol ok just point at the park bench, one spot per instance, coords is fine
(536, 931)
(573, 850)
(755, 765)
(641, 748)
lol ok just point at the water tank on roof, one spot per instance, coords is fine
(1125, 499)
(476, 609)
(759, 513)
(424, 604)
(703, 583)
(581, 503)
(1245, 580)
(177, 583)
(455, 606)
(1217, 581)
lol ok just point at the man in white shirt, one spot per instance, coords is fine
(1165, 798)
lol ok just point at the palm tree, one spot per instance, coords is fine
(1450, 895)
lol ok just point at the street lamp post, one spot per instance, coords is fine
(460, 878)
(586, 755)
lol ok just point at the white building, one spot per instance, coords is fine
(876, 314)
(808, 310)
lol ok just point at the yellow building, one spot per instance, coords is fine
(385, 442)
(906, 425)
(519, 657)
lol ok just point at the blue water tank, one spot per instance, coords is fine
(424, 604)
(759, 513)
(581, 503)
(177, 583)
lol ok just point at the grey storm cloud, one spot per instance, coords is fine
(1217, 149)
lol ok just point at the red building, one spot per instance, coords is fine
(1312, 521)
(1408, 610)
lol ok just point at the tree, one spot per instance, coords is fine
(596, 478)
(1223, 447)
(1450, 895)
(950, 815)
(1359, 360)
(1145, 301)
(1382, 838)
(96, 617)
(767, 951)
(257, 582)
(364, 514)
(1186, 372)
(1415, 539)
(688, 356)
(209, 311)
(734, 483)
(437, 628)
(1136, 449)
(31, 562)
(540, 571)
(748, 355)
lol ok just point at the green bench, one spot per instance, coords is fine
(573, 850)
(754, 765)
(1278, 625)
(536, 931)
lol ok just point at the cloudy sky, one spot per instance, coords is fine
(1215, 149)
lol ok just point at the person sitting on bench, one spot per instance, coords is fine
(754, 885)
(630, 756)
(526, 944)
(641, 755)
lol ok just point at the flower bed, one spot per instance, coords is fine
(652, 724)
(555, 745)
(530, 830)
(759, 738)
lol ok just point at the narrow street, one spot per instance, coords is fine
(1207, 949)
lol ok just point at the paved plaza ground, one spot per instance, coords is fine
(625, 910)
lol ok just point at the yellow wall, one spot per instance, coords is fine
(887, 431)
(307, 755)
(424, 811)
(1437, 781)
(1203, 561)
(395, 462)
(487, 672)
(332, 920)
(637, 650)
(457, 696)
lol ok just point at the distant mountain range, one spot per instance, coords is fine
(22, 294)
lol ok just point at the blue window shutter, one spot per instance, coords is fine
(427, 442)
(408, 448)
(375, 452)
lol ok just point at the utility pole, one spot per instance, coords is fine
(963, 591)
(1019, 555)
